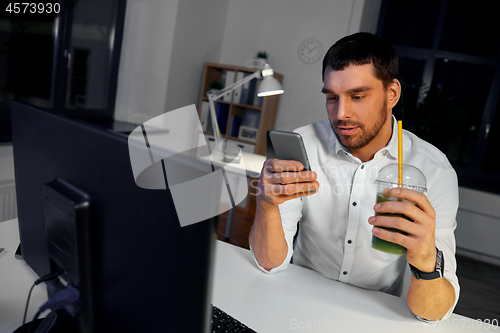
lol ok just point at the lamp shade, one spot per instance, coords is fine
(269, 86)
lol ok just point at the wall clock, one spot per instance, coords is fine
(310, 50)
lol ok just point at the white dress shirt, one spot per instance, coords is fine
(335, 236)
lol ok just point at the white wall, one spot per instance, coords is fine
(6, 162)
(198, 38)
(478, 226)
(145, 59)
(164, 46)
(278, 27)
(8, 206)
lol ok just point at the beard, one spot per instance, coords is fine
(365, 133)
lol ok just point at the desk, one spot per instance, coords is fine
(16, 279)
(300, 300)
(251, 163)
(296, 299)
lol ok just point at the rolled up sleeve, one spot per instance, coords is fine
(291, 213)
(443, 196)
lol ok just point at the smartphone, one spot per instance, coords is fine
(289, 146)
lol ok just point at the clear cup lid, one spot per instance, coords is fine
(413, 178)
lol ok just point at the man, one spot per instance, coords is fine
(337, 218)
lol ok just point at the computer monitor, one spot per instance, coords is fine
(81, 211)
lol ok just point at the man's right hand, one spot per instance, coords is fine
(280, 180)
(283, 180)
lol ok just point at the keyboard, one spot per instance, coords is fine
(224, 323)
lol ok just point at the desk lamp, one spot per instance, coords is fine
(269, 86)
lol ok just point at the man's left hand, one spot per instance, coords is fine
(420, 241)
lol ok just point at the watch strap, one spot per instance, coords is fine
(438, 271)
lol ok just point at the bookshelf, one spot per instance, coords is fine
(243, 119)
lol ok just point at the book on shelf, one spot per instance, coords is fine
(209, 128)
(234, 125)
(252, 89)
(205, 115)
(237, 90)
(251, 118)
(228, 78)
(244, 91)
(222, 112)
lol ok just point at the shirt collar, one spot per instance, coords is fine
(391, 149)
(392, 146)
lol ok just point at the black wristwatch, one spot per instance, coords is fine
(438, 272)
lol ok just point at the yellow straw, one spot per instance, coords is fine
(400, 153)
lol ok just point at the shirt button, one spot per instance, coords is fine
(344, 272)
(349, 241)
(354, 203)
(363, 166)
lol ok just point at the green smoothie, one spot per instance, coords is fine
(385, 246)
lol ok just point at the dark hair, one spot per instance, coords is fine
(363, 48)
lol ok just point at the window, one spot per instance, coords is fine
(92, 50)
(450, 77)
(26, 50)
(68, 63)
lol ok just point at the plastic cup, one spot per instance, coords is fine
(413, 179)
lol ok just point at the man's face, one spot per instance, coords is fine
(356, 102)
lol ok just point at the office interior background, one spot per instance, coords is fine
(450, 73)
